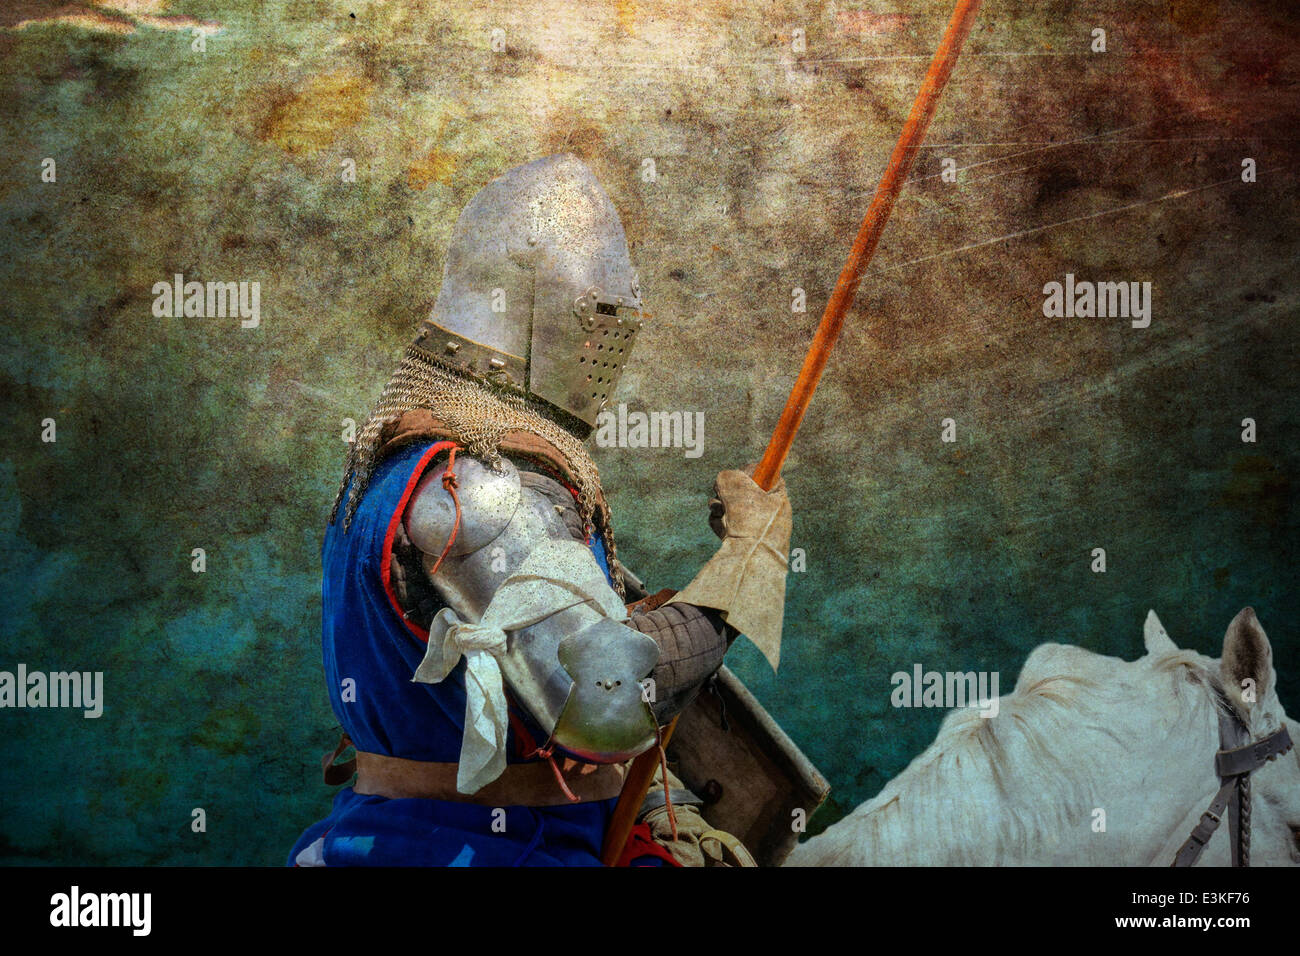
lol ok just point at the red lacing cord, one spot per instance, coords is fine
(547, 753)
(451, 483)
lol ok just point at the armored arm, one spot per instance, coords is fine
(692, 640)
(740, 590)
(518, 588)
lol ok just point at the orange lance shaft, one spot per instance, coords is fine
(640, 776)
(641, 773)
(864, 246)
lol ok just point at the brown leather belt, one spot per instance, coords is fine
(520, 785)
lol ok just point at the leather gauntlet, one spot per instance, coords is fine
(745, 580)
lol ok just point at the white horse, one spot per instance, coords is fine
(1090, 761)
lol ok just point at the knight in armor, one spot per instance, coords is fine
(487, 655)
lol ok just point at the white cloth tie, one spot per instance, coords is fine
(555, 576)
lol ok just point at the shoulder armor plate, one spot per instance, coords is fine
(488, 497)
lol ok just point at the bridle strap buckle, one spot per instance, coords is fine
(1234, 766)
(1251, 756)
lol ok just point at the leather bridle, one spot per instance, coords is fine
(1238, 757)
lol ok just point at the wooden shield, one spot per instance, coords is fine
(750, 774)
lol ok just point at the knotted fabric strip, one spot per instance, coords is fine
(556, 576)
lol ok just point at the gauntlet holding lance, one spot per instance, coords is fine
(745, 580)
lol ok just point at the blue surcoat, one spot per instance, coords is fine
(370, 654)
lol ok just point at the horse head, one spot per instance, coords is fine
(1091, 761)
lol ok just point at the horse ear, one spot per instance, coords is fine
(1247, 665)
(1156, 637)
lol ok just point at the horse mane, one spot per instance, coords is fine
(983, 772)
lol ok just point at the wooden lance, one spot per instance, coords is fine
(641, 773)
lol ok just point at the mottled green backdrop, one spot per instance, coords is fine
(226, 163)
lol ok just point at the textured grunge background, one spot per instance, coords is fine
(225, 165)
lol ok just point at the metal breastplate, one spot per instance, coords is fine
(576, 672)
